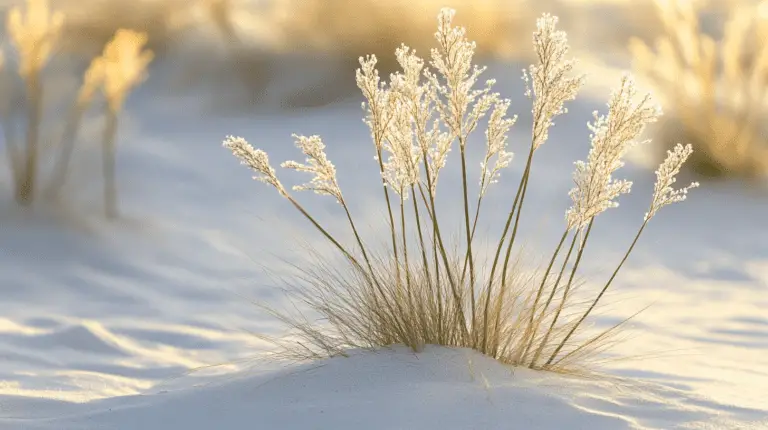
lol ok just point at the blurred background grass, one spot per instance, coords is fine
(253, 38)
(302, 53)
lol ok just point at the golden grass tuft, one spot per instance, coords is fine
(358, 314)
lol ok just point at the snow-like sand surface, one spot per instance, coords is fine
(392, 389)
(119, 325)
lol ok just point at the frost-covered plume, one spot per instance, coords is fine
(125, 64)
(34, 33)
(324, 180)
(438, 154)
(323, 183)
(663, 193)
(496, 137)
(408, 83)
(612, 136)
(551, 85)
(421, 97)
(377, 96)
(401, 170)
(453, 62)
(92, 80)
(256, 159)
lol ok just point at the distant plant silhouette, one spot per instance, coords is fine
(715, 89)
(34, 33)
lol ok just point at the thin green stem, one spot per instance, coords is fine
(322, 230)
(468, 229)
(472, 236)
(424, 260)
(435, 246)
(403, 230)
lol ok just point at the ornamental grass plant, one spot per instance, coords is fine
(419, 290)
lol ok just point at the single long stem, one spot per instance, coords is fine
(472, 236)
(322, 230)
(67, 144)
(424, 260)
(464, 269)
(108, 164)
(25, 190)
(435, 245)
(360, 243)
(599, 296)
(469, 239)
(420, 233)
(7, 112)
(565, 294)
(405, 247)
(12, 150)
(535, 134)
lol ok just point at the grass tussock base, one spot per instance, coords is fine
(421, 291)
(345, 311)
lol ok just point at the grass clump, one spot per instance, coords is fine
(35, 32)
(421, 291)
(715, 88)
